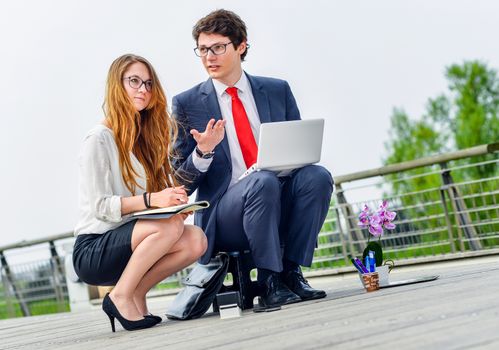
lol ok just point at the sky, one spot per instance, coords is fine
(349, 62)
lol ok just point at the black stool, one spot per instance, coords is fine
(240, 265)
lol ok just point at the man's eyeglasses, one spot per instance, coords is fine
(136, 83)
(217, 49)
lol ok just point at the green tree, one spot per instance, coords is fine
(464, 116)
(467, 116)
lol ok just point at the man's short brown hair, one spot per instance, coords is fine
(225, 23)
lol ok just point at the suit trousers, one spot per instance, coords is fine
(274, 217)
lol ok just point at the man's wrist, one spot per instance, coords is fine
(202, 154)
(204, 149)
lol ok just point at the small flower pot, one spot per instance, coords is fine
(370, 281)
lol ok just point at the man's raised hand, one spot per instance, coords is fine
(212, 135)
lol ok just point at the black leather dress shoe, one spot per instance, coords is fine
(299, 285)
(275, 293)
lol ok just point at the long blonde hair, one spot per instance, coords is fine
(149, 134)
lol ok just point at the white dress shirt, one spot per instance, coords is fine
(225, 102)
(101, 185)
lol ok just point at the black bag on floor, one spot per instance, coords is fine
(201, 286)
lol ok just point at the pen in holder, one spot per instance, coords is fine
(370, 280)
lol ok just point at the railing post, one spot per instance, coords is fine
(342, 237)
(57, 259)
(10, 283)
(456, 218)
(447, 221)
(9, 307)
(58, 276)
(354, 234)
(462, 217)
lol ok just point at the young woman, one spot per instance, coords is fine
(125, 167)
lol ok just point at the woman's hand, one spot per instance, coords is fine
(169, 197)
(212, 136)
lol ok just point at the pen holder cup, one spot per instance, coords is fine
(383, 275)
(370, 281)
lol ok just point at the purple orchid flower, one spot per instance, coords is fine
(376, 226)
(364, 217)
(379, 221)
(386, 216)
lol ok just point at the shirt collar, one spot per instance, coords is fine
(242, 85)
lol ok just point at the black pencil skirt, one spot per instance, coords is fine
(99, 259)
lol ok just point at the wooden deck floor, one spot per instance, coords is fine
(460, 310)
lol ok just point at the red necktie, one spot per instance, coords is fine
(243, 129)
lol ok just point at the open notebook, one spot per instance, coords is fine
(164, 213)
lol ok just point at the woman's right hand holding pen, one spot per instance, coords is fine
(169, 197)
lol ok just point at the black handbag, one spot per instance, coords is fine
(201, 286)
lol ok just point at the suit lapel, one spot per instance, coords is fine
(261, 99)
(209, 98)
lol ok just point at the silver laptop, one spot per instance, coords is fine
(285, 146)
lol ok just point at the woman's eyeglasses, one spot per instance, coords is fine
(136, 83)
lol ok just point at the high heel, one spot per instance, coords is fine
(111, 319)
(112, 312)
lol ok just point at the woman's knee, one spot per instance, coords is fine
(196, 241)
(161, 231)
(171, 228)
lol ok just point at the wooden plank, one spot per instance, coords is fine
(458, 310)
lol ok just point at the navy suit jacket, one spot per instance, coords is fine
(193, 109)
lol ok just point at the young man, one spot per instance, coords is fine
(277, 218)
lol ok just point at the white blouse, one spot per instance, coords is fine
(101, 185)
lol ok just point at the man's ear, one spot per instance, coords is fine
(242, 47)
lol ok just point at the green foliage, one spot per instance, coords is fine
(412, 140)
(378, 253)
(476, 91)
(466, 116)
(40, 307)
(168, 285)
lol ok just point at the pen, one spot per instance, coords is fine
(372, 262)
(356, 266)
(362, 267)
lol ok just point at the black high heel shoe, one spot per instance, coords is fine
(157, 318)
(112, 312)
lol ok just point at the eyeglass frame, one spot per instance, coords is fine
(143, 82)
(209, 48)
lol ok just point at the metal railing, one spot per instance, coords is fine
(455, 215)
(35, 287)
(443, 213)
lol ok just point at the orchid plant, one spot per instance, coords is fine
(376, 223)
